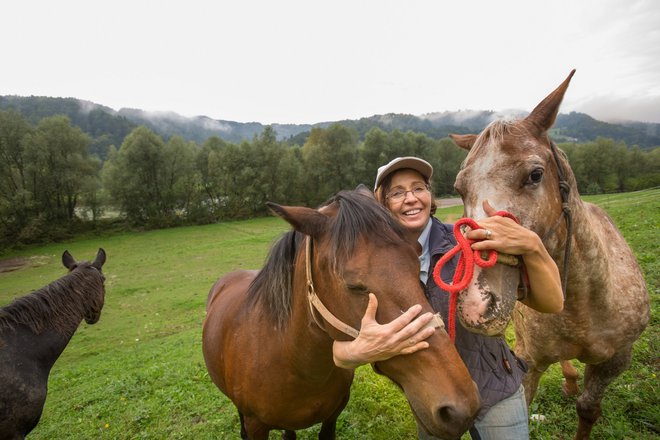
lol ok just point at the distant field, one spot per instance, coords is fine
(139, 372)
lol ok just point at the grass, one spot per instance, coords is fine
(139, 372)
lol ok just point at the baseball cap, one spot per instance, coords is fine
(420, 165)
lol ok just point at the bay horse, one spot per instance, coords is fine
(516, 167)
(270, 352)
(34, 331)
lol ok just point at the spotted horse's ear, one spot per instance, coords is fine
(543, 116)
(465, 141)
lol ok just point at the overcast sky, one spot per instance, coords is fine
(306, 61)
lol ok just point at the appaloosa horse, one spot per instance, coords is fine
(268, 335)
(515, 166)
(34, 330)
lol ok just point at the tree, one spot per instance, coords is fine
(15, 200)
(58, 165)
(135, 179)
(331, 161)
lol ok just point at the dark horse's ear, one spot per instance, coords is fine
(544, 115)
(362, 189)
(465, 141)
(68, 261)
(306, 220)
(100, 259)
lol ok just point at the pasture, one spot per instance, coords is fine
(139, 372)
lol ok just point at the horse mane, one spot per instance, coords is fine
(357, 215)
(60, 305)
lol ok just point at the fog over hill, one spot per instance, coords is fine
(109, 127)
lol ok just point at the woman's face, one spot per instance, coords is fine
(413, 210)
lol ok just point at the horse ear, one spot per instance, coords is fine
(362, 189)
(465, 141)
(306, 220)
(100, 259)
(68, 261)
(544, 115)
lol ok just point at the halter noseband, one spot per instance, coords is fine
(315, 302)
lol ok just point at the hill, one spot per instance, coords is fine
(108, 127)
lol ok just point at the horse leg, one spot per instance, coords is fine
(596, 379)
(570, 386)
(243, 431)
(253, 429)
(531, 381)
(289, 435)
(329, 426)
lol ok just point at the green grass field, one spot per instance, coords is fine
(139, 372)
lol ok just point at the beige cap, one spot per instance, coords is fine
(420, 165)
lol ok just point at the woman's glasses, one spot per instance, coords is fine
(399, 194)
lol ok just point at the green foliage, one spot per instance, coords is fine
(50, 183)
(45, 172)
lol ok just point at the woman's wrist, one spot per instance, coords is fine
(343, 356)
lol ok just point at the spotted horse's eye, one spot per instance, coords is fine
(535, 177)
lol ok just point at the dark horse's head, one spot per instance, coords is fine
(514, 166)
(62, 304)
(92, 313)
(358, 248)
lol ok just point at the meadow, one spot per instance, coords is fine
(139, 373)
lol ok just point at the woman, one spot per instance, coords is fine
(403, 187)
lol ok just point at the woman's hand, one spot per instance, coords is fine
(505, 235)
(404, 335)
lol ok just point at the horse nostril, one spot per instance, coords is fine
(456, 419)
(447, 414)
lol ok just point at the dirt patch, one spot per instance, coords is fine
(12, 264)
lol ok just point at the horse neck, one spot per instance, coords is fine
(587, 269)
(21, 343)
(306, 340)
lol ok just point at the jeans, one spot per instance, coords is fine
(506, 420)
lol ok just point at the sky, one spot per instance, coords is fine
(307, 61)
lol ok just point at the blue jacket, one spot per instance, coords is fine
(492, 364)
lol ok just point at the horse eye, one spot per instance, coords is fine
(535, 176)
(357, 288)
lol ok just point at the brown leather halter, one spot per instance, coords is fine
(564, 190)
(315, 302)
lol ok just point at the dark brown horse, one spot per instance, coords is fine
(34, 331)
(271, 354)
(515, 166)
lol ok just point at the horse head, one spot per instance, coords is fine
(359, 248)
(515, 167)
(93, 312)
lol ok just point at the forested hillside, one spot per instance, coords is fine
(108, 127)
(53, 183)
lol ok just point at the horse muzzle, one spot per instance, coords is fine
(486, 305)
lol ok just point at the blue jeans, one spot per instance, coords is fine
(506, 420)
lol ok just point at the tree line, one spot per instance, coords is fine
(51, 185)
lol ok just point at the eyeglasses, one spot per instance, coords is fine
(398, 195)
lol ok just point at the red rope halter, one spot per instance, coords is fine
(465, 267)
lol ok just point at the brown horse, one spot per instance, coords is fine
(34, 331)
(515, 166)
(271, 354)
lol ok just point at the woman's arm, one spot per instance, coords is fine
(545, 292)
(404, 335)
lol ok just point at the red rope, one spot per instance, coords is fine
(465, 267)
